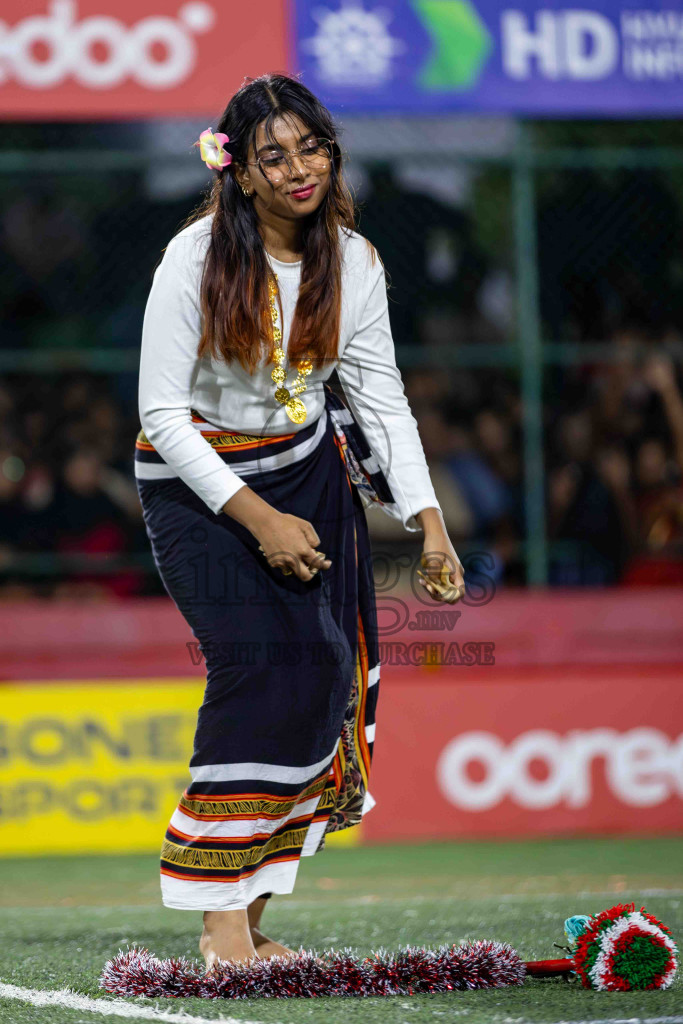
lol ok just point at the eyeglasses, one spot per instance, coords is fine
(315, 153)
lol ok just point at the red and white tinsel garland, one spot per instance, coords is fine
(412, 970)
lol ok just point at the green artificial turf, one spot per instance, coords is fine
(64, 917)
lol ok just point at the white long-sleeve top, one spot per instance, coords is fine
(173, 380)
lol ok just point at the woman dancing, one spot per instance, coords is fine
(254, 502)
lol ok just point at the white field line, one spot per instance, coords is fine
(70, 1000)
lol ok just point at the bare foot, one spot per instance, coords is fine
(265, 947)
(226, 936)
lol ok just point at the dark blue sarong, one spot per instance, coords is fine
(285, 733)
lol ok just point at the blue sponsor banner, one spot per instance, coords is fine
(546, 58)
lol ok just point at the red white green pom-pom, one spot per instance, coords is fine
(623, 948)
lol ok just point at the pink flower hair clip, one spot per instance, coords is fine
(211, 149)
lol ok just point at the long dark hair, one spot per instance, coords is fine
(234, 288)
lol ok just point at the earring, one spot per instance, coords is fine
(245, 190)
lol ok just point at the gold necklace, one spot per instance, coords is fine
(294, 407)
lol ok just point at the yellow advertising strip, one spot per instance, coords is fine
(96, 766)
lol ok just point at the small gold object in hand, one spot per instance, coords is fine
(448, 591)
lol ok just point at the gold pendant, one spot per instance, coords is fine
(296, 410)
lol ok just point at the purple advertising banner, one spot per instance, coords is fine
(607, 59)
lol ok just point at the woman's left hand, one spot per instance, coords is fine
(444, 575)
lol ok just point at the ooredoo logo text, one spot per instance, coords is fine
(539, 769)
(100, 51)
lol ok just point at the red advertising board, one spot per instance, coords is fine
(87, 59)
(542, 750)
(571, 720)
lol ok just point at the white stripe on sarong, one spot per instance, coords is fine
(254, 770)
(373, 675)
(370, 732)
(203, 894)
(153, 471)
(150, 470)
(313, 837)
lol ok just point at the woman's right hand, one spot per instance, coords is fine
(290, 544)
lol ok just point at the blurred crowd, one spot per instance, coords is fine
(615, 484)
(613, 465)
(67, 490)
(614, 473)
